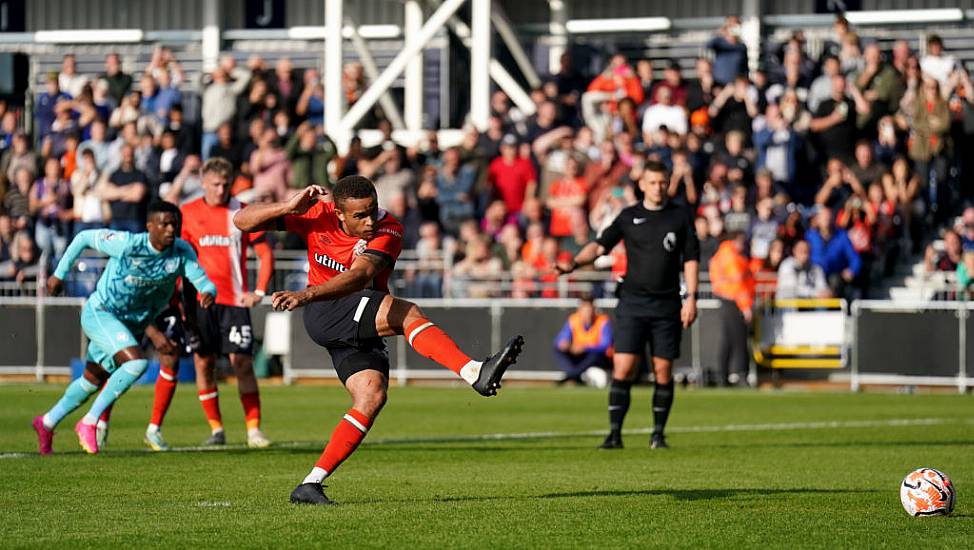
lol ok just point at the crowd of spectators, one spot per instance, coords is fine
(833, 169)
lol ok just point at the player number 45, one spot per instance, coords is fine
(240, 335)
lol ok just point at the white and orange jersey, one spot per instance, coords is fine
(222, 248)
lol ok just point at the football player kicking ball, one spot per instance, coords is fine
(352, 248)
(138, 281)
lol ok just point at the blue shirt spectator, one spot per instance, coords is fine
(455, 190)
(832, 250)
(730, 55)
(44, 112)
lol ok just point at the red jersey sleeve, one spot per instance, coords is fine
(302, 224)
(388, 239)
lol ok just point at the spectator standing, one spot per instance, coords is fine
(730, 54)
(664, 113)
(832, 250)
(270, 168)
(50, 200)
(949, 258)
(19, 155)
(119, 83)
(16, 202)
(309, 153)
(618, 81)
(584, 342)
(733, 284)
(835, 122)
(566, 198)
(220, 102)
(127, 194)
(935, 63)
(90, 212)
(68, 79)
(512, 177)
(454, 191)
(44, 109)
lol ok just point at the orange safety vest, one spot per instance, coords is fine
(587, 337)
(730, 276)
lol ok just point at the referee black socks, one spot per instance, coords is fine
(662, 402)
(618, 404)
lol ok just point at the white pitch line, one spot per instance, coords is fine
(764, 427)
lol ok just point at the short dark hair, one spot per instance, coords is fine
(935, 39)
(163, 207)
(219, 165)
(352, 187)
(655, 166)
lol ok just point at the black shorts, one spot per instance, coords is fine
(645, 321)
(224, 329)
(346, 328)
(170, 323)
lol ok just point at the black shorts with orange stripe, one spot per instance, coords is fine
(346, 328)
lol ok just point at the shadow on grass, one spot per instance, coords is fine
(678, 494)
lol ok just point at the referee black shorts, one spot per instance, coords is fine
(645, 321)
(346, 328)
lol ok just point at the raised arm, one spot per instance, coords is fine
(265, 216)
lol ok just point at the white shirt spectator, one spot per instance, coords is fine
(671, 116)
(795, 281)
(939, 67)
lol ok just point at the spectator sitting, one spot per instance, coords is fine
(7, 233)
(127, 194)
(947, 260)
(832, 250)
(798, 277)
(584, 342)
(23, 266)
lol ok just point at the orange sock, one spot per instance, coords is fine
(349, 432)
(210, 399)
(251, 407)
(431, 342)
(165, 389)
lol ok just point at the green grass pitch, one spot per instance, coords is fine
(746, 469)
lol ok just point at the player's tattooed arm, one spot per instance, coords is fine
(358, 277)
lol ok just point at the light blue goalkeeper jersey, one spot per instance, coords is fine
(139, 280)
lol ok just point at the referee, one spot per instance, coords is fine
(660, 241)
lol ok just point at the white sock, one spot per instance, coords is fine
(471, 371)
(102, 425)
(317, 475)
(253, 431)
(47, 422)
(216, 431)
(89, 420)
(153, 428)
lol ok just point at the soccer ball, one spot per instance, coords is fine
(596, 377)
(927, 492)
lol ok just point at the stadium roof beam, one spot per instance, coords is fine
(480, 61)
(388, 76)
(210, 43)
(372, 72)
(559, 34)
(413, 93)
(504, 30)
(89, 36)
(497, 71)
(334, 96)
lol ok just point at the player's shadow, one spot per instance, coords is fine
(678, 494)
